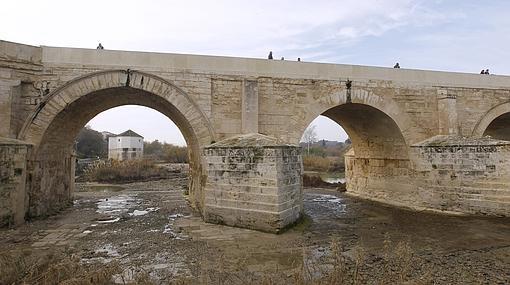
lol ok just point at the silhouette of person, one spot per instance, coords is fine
(283, 58)
(487, 71)
(397, 65)
(270, 56)
(100, 46)
(298, 59)
(482, 72)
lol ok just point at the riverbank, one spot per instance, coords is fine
(146, 233)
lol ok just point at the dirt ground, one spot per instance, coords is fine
(148, 228)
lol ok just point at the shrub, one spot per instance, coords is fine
(315, 163)
(124, 171)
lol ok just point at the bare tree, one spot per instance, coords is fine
(309, 137)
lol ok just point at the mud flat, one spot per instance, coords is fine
(146, 233)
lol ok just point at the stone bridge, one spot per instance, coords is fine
(420, 139)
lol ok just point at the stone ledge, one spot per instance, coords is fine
(453, 141)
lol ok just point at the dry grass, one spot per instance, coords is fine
(124, 171)
(24, 267)
(337, 266)
(315, 163)
(323, 164)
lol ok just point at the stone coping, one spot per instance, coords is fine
(448, 141)
(250, 140)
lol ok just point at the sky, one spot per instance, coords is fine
(448, 35)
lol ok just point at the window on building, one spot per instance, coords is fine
(125, 149)
(133, 149)
(133, 154)
(119, 140)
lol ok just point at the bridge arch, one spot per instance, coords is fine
(378, 165)
(334, 100)
(55, 124)
(495, 123)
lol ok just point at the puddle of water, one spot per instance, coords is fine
(116, 205)
(109, 221)
(104, 188)
(330, 201)
(328, 198)
(334, 180)
(175, 216)
(104, 254)
(169, 227)
(169, 230)
(143, 212)
(162, 267)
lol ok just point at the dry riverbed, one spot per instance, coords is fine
(146, 233)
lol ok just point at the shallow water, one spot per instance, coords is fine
(116, 205)
(333, 177)
(105, 188)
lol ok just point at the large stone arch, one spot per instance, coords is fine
(53, 126)
(489, 117)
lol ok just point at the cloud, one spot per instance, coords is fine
(220, 27)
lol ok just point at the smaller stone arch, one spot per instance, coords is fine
(378, 164)
(362, 97)
(489, 117)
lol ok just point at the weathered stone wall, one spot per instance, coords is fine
(13, 163)
(253, 183)
(385, 180)
(463, 174)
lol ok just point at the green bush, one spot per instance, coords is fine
(166, 152)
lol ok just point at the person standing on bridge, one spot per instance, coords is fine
(397, 65)
(100, 46)
(270, 56)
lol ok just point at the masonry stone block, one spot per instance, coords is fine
(263, 195)
(454, 180)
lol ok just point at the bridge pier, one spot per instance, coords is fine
(13, 174)
(253, 182)
(467, 175)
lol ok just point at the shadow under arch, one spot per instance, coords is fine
(378, 164)
(56, 123)
(495, 123)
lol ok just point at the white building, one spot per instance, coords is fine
(124, 146)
